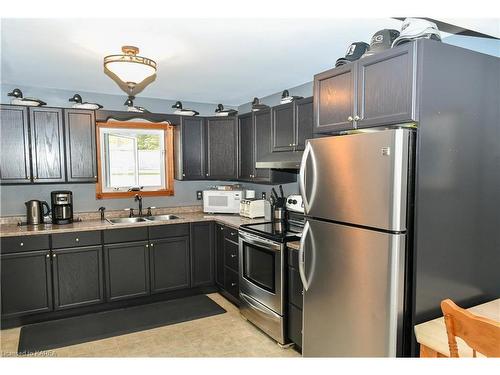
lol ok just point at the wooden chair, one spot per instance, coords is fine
(481, 334)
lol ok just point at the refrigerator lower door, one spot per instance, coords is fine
(358, 178)
(353, 304)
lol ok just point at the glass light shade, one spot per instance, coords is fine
(130, 68)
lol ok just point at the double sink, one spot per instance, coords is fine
(125, 220)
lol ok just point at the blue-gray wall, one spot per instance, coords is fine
(13, 197)
(59, 98)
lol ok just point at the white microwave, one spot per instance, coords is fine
(222, 201)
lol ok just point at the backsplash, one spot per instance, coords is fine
(13, 197)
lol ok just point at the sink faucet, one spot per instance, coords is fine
(138, 198)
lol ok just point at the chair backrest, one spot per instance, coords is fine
(481, 334)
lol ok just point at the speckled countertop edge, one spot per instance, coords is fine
(293, 245)
(12, 230)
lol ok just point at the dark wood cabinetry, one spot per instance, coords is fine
(295, 299)
(202, 254)
(303, 122)
(227, 264)
(127, 270)
(190, 149)
(374, 91)
(78, 276)
(283, 127)
(262, 135)
(79, 126)
(26, 283)
(246, 147)
(169, 264)
(15, 167)
(222, 148)
(47, 144)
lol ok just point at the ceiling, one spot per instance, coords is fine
(204, 60)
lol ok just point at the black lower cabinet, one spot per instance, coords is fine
(231, 282)
(127, 270)
(26, 283)
(78, 277)
(219, 255)
(202, 254)
(169, 262)
(294, 325)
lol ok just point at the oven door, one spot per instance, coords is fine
(261, 270)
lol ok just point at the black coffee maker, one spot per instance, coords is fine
(62, 206)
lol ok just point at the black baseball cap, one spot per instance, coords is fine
(354, 52)
(381, 41)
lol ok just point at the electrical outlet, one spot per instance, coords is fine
(199, 195)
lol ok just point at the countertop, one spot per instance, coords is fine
(432, 334)
(10, 230)
(293, 245)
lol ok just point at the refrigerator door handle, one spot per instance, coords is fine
(302, 177)
(302, 271)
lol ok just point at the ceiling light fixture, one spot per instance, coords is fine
(130, 71)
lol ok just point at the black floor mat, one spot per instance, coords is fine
(90, 327)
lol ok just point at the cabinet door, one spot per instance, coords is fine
(78, 277)
(283, 127)
(246, 147)
(127, 270)
(222, 149)
(47, 145)
(169, 264)
(303, 122)
(262, 129)
(26, 283)
(193, 148)
(14, 145)
(202, 254)
(334, 101)
(219, 255)
(79, 128)
(385, 90)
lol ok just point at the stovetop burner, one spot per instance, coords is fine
(279, 231)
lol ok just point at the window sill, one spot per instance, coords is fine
(131, 194)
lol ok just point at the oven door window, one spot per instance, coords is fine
(259, 266)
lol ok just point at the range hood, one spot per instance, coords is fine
(280, 160)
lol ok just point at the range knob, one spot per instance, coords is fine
(294, 201)
(289, 201)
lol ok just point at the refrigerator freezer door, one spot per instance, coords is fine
(354, 301)
(358, 179)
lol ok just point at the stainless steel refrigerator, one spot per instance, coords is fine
(353, 251)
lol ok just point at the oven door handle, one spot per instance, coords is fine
(254, 305)
(302, 271)
(263, 243)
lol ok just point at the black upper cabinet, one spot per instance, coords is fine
(80, 138)
(246, 147)
(127, 270)
(373, 91)
(14, 145)
(78, 277)
(334, 99)
(190, 149)
(385, 83)
(169, 259)
(283, 127)
(262, 135)
(202, 254)
(26, 283)
(47, 144)
(222, 148)
(303, 122)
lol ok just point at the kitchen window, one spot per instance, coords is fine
(132, 157)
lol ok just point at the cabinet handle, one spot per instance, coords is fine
(147, 245)
(77, 239)
(233, 284)
(152, 245)
(206, 174)
(233, 255)
(183, 175)
(95, 177)
(54, 255)
(21, 244)
(48, 255)
(350, 119)
(357, 118)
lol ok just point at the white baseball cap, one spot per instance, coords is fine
(416, 28)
